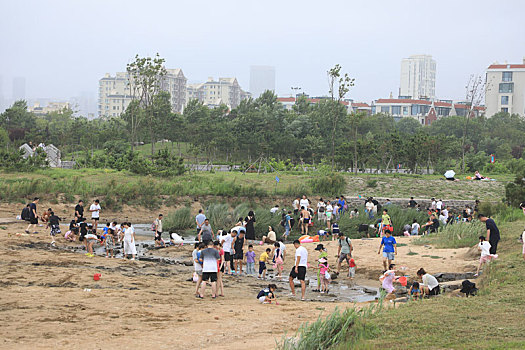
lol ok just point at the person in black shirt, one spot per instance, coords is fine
(412, 203)
(54, 224)
(33, 216)
(432, 225)
(492, 232)
(79, 211)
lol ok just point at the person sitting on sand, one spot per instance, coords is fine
(415, 292)
(388, 278)
(271, 238)
(484, 248)
(430, 283)
(267, 295)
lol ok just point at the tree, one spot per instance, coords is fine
(474, 95)
(17, 120)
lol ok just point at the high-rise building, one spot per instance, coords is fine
(262, 78)
(115, 95)
(505, 89)
(19, 88)
(213, 93)
(418, 77)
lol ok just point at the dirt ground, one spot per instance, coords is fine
(45, 302)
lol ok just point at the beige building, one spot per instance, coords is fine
(51, 107)
(418, 77)
(505, 89)
(214, 93)
(115, 95)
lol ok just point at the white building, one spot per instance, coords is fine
(115, 95)
(505, 89)
(418, 77)
(262, 78)
(50, 108)
(213, 93)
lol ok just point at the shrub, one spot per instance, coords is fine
(371, 183)
(457, 235)
(515, 191)
(332, 184)
(179, 219)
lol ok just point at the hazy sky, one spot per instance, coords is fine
(63, 47)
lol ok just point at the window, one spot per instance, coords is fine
(505, 110)
(506, 76)
(504, 100)
(506, 87)
(405, 110)
(396, 110)
(385, 109)
(415, 110)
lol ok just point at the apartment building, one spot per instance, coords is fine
(213, 93)
(351, 106)
(418, 77)
(115, 94)
(37, 109)
(505, 89)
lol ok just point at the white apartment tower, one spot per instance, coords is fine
(213, 93)
(114, 92)
(505, 89)
(262, 78)
(418, 77)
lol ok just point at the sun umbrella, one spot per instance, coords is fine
(450, 174)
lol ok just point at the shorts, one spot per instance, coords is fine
(306, 220)
(91, 237)
(96, 219)
(198, 272)
(301, 273)
(388, 255)
(158, 236)
(435, 291)
(343, 257)
(493, 247)
(227, 256)
(55, 230)
(33, 221)
(238, 255)
(262, 299)
(351, 272)
(262, 267)
(209, 276)
(485, 259)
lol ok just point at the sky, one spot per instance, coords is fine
(63, 47)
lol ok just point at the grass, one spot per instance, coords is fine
(457, 235)
(492, 320)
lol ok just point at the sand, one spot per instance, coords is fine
(45, 304)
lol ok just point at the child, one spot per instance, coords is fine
(324, 273)
(105, 231)
(267, 295)
(415, 292)
(351, 268)
(109, 243)
(90, 238)
(388, 278)
(262, 263)
(54, 223)
(335, 231)
(484, 248)
(220, 267)
(250, 261)
(197, 264)
(278, 259)
(238, 244)
(406, 230)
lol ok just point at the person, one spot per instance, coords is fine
(344, 250)
(278, 259)
(432, 225)
(45, 215)
(342, 204)
(321, 210)
(197, 265)
(209, 257)
(445, 211)
(199, 220)
(324, 273)
(335, 231)
(33, 216)
(72, 231)
(299, 268)
(492, 232)
(389, 245)
(25, 215)
(263, 259)
(250, 226)
(442, 219)
(275, 209)
(287, 224)
(54, 224)
(238, 252)
(296, 206)
(430, 283)
(79, 211)
(304, 202)
(239, 226)
(369, 208)
(415, 228)
(439, 206)
(386, 221)
(522, 206)
(406, 230)
(129, 241)
(206, 233)
(109, 243)
(388, 278)
(305, 220)
(95, 213)
(351, 268)
(250, 261)
(158, 231)
(329, 213)
(523, 242)
(220, 268)
(354, 214)
(283, 248)
(477, 176)
(90, 240)
(415, 292)
(322, 254)
(412, 203)
(486, 256)
(433, 204)
(271, 238)
(227, 246)
(267, 295)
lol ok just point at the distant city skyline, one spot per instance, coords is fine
(366, 39)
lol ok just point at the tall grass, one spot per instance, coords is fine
(347, 326)
(457, 235)
(179, 219)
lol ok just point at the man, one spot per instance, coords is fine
(206, 233)
(433, 204)
(79, 211)
(199, 220)
(412, 203)
(304, 202)
(305, 220)
(390, 248)
(287, 224)
(344, 250)
(158, 231)
(369, 208)
(296, 206)
(492, 232)
(33, 216)
(445, 212)
(432, 225)
(95, 213)
(227, 246)
(299, 268)
(209, 269)
(275, 209)
(439, 206)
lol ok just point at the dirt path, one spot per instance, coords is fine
(44, 304)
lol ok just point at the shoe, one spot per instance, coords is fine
(476, 275)
(87, 254)
(322, 292)
(291, 295)
(132, 259)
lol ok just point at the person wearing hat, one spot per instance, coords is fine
(322, 254)
(324, 272)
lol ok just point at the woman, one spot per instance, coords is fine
(250, 227)
(129, 241)
(271, 238)
(430, 283)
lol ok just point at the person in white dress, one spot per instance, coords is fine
(129, 241)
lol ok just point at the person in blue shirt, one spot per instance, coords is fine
(389, 245)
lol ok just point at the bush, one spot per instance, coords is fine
(457, 235)
(371, 183)
(179, 219)
(515, 191)
(330, 185)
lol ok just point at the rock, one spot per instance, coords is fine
(187, 263)
(401, 291)
(453, 276)
(369, 290)
(333, 276)
(400, 300)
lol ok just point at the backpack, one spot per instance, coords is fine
(153, 226)
(25, 213)
(321, 209)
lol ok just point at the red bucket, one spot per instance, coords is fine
(96, 276)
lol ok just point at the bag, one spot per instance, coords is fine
(321, 209)
(292, 222)
(327, 275)
(153, 227)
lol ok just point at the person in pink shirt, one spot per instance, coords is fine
(324, 273)
(388, 278)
